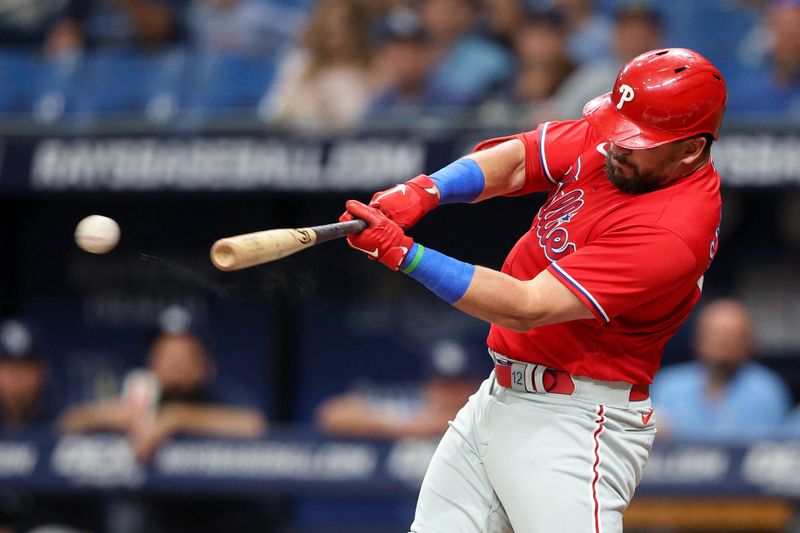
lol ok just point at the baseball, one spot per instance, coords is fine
(97, 234)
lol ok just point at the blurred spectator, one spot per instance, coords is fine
(753, 47)
(543, 63)
(29, 22)
(774, 86)
(249, 27)
(24, 406)
(147, 25)
(588, 30)
(176, 394)
(329, 80)
(454, 367)
(23, 378)
(792, 425)
(637, 29)
(469, 67)
(724, 393)
(503, 19)
(407, 62)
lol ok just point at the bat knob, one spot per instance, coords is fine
(223, 256)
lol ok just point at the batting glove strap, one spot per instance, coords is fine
(428, 193)
(461, 181)
(407, 202)
(444, 276)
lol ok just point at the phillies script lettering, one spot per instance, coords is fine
(551, 221)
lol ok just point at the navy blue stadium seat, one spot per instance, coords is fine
(119, 82)
(17, 80)
(42, 87)
(346, 348)
(227, 82)
(56, 91)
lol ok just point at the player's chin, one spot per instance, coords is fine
(627, 179)
(616, 173)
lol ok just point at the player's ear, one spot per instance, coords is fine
(693, 149)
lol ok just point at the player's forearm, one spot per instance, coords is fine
(494, 296)
(487, 294)
(493, 172)
(503, 300)
(484, 293)
(217, 421)
(503, 168)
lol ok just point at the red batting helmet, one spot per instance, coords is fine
(659, 97)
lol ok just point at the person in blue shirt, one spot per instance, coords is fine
(409, 61)
(791, 427)
(470, 67)
(774, 86)
(589, 29)
(724, 393)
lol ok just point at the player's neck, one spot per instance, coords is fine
(685, 170)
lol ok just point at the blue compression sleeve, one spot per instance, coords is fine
(444, 276)
(459, 182)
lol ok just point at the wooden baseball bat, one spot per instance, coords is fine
(250, 249)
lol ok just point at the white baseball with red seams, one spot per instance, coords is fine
(97, 234)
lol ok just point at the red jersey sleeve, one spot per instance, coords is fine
(550, 151)
(628, 267)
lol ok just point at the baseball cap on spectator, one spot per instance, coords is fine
(17, 341)
(458, 358)
(175, 319)
(178, 320)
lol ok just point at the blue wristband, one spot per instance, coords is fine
(459, 182)
(444, 276)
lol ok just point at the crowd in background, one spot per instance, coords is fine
(723, 394)
(181, 388)
(341, 63)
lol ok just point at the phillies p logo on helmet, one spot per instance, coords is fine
(626, 95)
(675, 93)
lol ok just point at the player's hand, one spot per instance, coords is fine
(383, 240)
(406, 203)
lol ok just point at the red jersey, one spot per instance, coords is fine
(636, 261)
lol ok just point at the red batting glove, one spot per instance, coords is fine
(383, 240)
(407, 202)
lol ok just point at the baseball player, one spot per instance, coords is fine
(555, 440)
